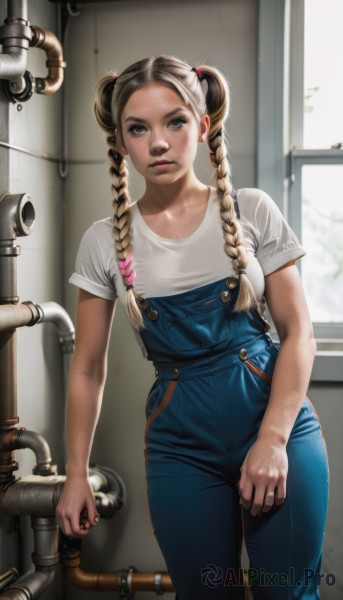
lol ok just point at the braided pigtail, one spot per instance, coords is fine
(120, 203)
(217, 103)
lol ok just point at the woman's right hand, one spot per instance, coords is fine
(76, 511)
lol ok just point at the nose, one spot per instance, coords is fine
(158, 143)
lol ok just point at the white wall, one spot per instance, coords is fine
(112, 35)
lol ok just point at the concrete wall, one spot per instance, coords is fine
(40, 391)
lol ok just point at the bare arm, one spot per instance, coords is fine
(86, 383)
(264, 469)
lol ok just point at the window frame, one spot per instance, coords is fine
(280, 152)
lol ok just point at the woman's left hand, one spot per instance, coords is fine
(262, 485)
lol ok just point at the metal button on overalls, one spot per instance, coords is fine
(243, 354)
(153, 314)
(225, 296)
(176, 373)
(231, 283)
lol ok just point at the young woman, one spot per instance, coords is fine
(233, 446)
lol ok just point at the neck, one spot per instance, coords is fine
(179, 193)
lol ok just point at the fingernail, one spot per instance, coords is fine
(96, 519)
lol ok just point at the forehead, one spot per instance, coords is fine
(153, 97)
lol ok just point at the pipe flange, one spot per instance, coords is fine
(35, 312)
(129, 588)
(159, 589)
(45, 470)
(25, 91)
(17, 218)
(49, 560)
(123, 576)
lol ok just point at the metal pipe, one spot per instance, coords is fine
(37, 443)
(15, 36)
(28, 313)
(17, 9)
(18, 315)
(8, 577)
(17, 217)
(29, 586)
(124, 581)
(45, 558)
(55, 313)
(39, 495)
(44, 39)
(17, 439)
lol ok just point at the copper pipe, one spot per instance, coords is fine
(46, 40)
(111, 581)
(8, 577)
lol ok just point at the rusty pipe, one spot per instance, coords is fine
(124, 580)
(17, 217)
(18, 315)
(17, 439)
(46, 40)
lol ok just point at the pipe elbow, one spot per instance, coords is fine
(30, 585)
(47, 41)
(36, 442)
(13, 66)
(17, 216)
(55, 313)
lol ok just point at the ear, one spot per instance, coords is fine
(120, 143)
(204, 128)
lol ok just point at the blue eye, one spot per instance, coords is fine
(178, 123)
(136, 129)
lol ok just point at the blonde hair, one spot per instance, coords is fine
(112, 94)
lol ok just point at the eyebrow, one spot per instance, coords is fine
(166, 116)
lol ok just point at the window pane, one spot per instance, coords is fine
(323, 73)
(322, 238)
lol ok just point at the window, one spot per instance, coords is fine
(315, 206)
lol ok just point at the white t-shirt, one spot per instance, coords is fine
(167, 267)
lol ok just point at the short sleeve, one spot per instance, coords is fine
(275, 243)
(95, 262)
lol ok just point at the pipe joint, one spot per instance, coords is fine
(15, 37)
(29, 586)
(55, 313)
(47, 41)
(17, 217)
(36, 442)
(35, 312)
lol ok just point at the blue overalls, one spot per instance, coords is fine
(213, 372)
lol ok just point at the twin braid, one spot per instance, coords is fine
(122, 229)
(233, 238)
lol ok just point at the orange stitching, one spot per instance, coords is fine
(165, 401)
(255, 369)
